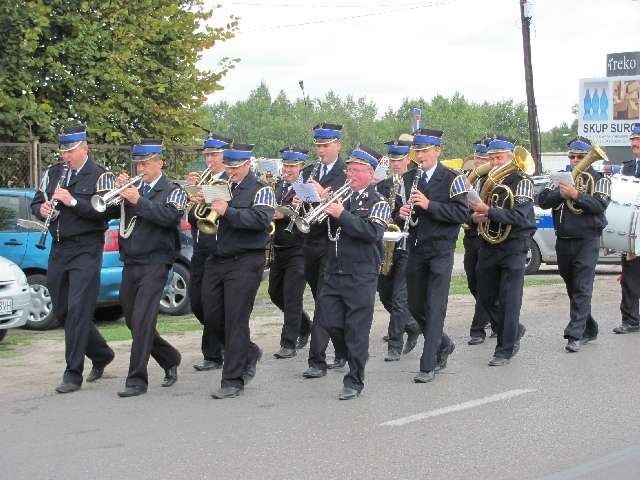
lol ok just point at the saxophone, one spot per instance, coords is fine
(389, 247)
(497, 195)
(582, 178)
(474, 175)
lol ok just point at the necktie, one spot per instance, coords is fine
(637, 168)
(74, 173)
(424, 179)
(285, 190)
(324, 171)
(146, 188)
(233, 186)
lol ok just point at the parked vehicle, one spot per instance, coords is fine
(14, 297)
(18, 244)
(543, 243)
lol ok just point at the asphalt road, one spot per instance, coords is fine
(547, 415)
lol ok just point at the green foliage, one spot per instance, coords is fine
(556, 139)
(275, 123)
(125, 68)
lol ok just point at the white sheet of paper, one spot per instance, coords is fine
(381, 171)
(269, 165)
(557, 177)
(213, 192)
(306, 192)
(472, 194)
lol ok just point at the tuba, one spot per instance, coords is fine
(583, 180)
(497, 195)
(389, 247)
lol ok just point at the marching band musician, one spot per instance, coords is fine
(233, 273)
(392, 287)
(472, 243)
(439, 208)
(630, 278)
(149, 242)
(204, 246)
(346, 299)
(578, 242)
(327, 175)
(286, 275)
(501, 265)
(73, 275)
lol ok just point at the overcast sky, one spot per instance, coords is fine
(409, 48)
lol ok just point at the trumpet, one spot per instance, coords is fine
(207, 217)
(101, 202)
(206, 176)
(319, 214)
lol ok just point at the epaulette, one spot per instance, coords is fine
(178, 197)
(380, 213)
(524, 191)
(106, 181)
(458, 186)
(603, 187)
(265, 197)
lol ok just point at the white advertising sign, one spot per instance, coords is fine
(607, 108)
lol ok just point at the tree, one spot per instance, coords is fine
(556, 139)
(125, 68)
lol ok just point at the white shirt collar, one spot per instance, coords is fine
(328, 166)
(429, 173)
(83, 164)
(153, 184)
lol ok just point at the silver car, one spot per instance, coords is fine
(543, 243)
(15, 296)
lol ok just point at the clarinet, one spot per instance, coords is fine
(43, 236)
(405, 229)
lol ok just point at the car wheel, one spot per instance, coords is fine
(41, 309)
(175, 298)
(534, 259)
(3, 333)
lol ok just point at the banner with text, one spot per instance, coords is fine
(607, 108)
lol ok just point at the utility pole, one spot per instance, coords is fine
(534, 133)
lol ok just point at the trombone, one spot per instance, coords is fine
(101, 202)
(319, 214)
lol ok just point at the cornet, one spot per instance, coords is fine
(101, 202)
(319, 214)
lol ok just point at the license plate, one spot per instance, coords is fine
(6, 305)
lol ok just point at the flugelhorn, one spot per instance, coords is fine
(319, 214)
(101, 202)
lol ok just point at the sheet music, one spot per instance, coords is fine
(213, 192)
(268, 165)
(472, 195)
(557, 177)
(306, 192)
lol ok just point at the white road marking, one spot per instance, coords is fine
(456, 408)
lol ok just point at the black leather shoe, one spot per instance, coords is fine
(424, 377)
(572, 346)
(250, 370)
(626, 328)
(205, 365)
(586, 340)
(348, 393)
(516, 346)
(226, 392)
(132, 391)
(95, 374)
(443, 356)
(313, 372)
(302, 341)
(385, 338)
(498, 361)
(67, 387)
(285, 353)
(475, 341)
(170, 376)
(392, 356)
(412, 341)
(493, 334)
(337, 363)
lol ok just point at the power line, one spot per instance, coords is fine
(352, 17)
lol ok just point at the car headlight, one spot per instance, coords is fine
(19, 275)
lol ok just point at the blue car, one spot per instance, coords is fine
(18, 245)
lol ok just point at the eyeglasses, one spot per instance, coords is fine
(576, 157)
